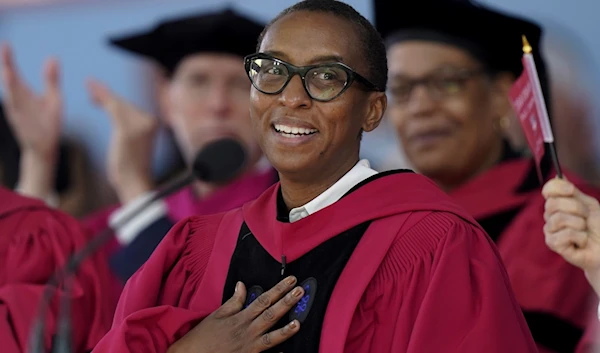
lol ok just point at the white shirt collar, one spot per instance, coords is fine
(361, 171)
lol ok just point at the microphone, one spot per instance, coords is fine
(218, 162)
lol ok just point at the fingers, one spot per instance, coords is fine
(10, 77)
(560, 220)
(558, 188)
(591, 203)
(99, 93)
(565, 239)
(271, 339)
(8, 66)
(234, 304)
(567, 205)
(266, 299)
(104, 98)
(563, 188)
(52, 77)
(271, 315)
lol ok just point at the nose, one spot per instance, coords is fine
(294, 95)
(420, 102)
(219, 100)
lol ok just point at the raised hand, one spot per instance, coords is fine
(572, 227)
(36, 121)
(129, 163)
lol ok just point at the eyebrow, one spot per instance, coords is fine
(316, 60)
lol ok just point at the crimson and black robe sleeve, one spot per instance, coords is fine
(150, 315)
(468, 306)
(35, 242)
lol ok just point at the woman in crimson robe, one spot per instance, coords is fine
(35, 241)
(450, 72)
(335, 257)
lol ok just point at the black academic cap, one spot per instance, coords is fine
(490, 35)
(172, 40)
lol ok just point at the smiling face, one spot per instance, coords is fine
(445, 109)
(300, 136)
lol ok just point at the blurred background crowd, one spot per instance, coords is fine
(76, 33)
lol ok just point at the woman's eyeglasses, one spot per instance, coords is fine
(323, 82)
(439, 85)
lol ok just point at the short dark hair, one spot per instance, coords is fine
(373, 47)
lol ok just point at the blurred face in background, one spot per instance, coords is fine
(446, 110)
(206, 99)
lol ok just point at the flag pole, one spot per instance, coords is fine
(541, 105)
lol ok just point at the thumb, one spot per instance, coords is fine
(239, 296)
(234, 304)
(557, 187)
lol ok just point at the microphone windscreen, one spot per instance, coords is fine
(219, 161)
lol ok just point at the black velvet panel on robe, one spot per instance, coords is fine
(317, 271)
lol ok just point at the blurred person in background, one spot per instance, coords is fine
(203, 96)
(70, 185)
(35, 238)
(450, 70)
(35, 241)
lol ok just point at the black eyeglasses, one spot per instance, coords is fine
(439, 85)
(322, 83)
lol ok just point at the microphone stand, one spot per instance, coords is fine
(63, 337)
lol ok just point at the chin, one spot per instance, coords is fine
(289, 165)
(430, 165)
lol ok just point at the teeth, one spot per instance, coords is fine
(290, 135)
(293, 131)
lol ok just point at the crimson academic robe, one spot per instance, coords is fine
(556, 298)
(424, 277)
(34, 242)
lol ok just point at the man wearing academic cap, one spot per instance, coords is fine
(451, 65)
(203, 96)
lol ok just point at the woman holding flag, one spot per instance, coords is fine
(451, 69)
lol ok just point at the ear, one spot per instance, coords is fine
(377, 104)
(500, 87)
